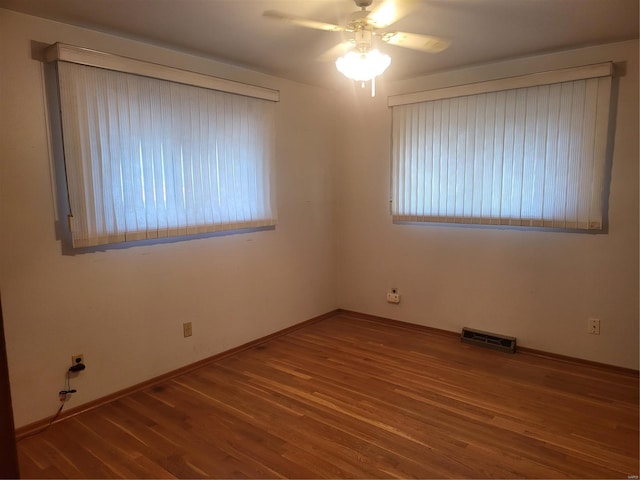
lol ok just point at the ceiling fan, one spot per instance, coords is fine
(363, 62)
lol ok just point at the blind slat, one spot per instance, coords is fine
(531, 156)
(147, 158)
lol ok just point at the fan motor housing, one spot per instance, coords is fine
(363, 3)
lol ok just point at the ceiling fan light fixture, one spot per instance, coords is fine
(363, 66)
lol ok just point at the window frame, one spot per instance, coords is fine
(171, 76)
(603, 72)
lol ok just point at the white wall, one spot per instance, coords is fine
(124, 308)
(335, 245)
(540, 286)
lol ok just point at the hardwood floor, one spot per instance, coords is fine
(353, 398)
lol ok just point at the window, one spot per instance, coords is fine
(149, 157)
(527, 151)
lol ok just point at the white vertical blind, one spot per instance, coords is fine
(531, 156)
(148, 158)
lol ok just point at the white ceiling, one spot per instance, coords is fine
(235, 31)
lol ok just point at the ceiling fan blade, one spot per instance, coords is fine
(389, 11)
(415, 41)
(336, 51)
(303, 22)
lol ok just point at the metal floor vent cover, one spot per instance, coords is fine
(501, 343)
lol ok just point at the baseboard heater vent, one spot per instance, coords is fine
(489, 340)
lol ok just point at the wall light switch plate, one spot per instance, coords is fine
(187, 329)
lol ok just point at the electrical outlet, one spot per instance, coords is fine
(76, 359)
(393, 296)
(186, 329)
(593, 326)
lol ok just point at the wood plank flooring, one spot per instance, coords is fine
(353, 398)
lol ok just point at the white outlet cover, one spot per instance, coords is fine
(393, 297)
